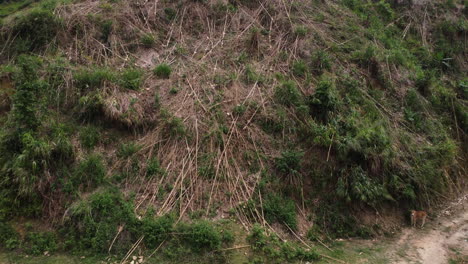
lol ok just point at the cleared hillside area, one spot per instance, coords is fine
(240, 131)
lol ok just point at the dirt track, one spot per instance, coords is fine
(443, 239)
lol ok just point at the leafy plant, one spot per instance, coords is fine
(131, 79)
(163, 71)
(127, 150)
(287, 94)
(289, 162)
(148, 40)
(35, 30)
(39, 242)
(90, 172)
(280, 209)
(90, 136)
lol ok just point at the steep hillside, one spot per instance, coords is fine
(195, 128)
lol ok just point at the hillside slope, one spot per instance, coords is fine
(182, 126)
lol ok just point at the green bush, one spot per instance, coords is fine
(173, 126)
(153, 168)
(90, 172)
(336, 221)
(324, 100)
(170, 13)
(90, 106)
(156, 229)
(93, 223)
(131, 79)
(127, 150)
(251, 77)
(147, 40)
(29, 88)
(356, 185)
(280, 209)
(300, 31)
(39, 242)
(320, 62)
(35, 30)
(90, 136)
(287, 94)
(299, 68)
(163, 71)
(277, 251)
(289, 163)
(93, 78)
(9, 238)
(201, 236)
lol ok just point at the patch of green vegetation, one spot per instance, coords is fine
(11, 7)
(127, 150)
(35, 30)
(289, 163)
(37, 243)
(163, 71)
(90, 79)
(90, 172)
(320, 62)
(299, 69)
(131, 78)
(90, 136)
(148, 40)
(287, 94)
(95, 233)
(275, 251)
(280, 209)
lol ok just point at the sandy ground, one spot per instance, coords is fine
(442, 239)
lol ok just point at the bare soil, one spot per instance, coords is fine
(444, 239)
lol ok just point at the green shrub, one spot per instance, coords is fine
(163, 71)
(170, 13)
(147, 40)
(106, 29)
(336, 221)
(94, 78)
(356, 185)
(385, 10)
(35, 30)
(324, 100)
(277, 251)
(299, 68)
(153, 168)
(39, 242)
(257, 237)
(156, 229)
(173, 126)
(239, 110)
(131, 79)
(320, 62)
(201, 236)
(9, 237)
(287, 94)
(252, 77)
(93, 223)
(127, 150)
(280, 209)
(289, 163)
(26, 100)
(300, 31)
(90, 106)
(90, 136)
(90, 172)
(206, 168)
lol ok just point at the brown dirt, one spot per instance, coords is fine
(442, 239)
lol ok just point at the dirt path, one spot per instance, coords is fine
(443, 240)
